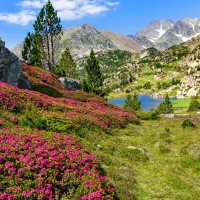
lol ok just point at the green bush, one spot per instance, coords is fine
(33, 119)
(147, 85)
(127, 91)
(165, 107)
(57, 124)
(152, 115)
(194, 105)
(132, 103)
(107, 90)
(188, 123)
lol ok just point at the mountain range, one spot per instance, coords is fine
(160, 34)
(82, 39)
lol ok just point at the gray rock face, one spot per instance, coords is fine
(70, 84)
(17, 50)
(10, 67)
(23, 82)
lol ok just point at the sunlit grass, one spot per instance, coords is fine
(154, 160)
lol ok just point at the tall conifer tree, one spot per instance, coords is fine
(94, 81)
(32, 51)
(48, 26)
(66, 66)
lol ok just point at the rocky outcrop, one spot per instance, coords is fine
(11, 69)
(190, 83)
(23, 82)
(70, 84)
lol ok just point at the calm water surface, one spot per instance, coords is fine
(147, 102)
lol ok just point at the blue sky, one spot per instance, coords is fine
(122, 16)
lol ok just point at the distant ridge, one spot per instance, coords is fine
(82, 39)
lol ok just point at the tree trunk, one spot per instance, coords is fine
(52, 51)
(48, 49)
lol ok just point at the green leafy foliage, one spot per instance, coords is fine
(165, 107)
(132, 103)
(94, 81)
(194, 105)
(33, 119)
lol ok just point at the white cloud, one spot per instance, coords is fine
(67, 9)
(33, 4)
(22, 18)
(112, 3)
(93, 9)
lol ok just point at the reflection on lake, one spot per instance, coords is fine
(147, 102)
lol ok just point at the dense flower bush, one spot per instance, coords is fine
(45, 82)
(71, 111)
(43, 165)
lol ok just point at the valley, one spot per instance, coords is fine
(61, 143)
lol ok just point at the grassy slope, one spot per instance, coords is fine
(162, 160)
(167, 169)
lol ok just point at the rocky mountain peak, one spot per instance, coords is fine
(163, 33)
(155, 29)
(152, 32)
(82, 39)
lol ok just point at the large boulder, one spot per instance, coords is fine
(11, 69)
(23, 82)
(70, 84)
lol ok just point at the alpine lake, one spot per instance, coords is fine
(147, 102)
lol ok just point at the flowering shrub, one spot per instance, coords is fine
(36, 164)
(45, 82)
(70, 111)
(43, 165)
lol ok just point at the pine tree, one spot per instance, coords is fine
(94, 81)
(66, 66)
(165, 107)
(2, 43)
(32, 49)
(132, 103)
(48, 26)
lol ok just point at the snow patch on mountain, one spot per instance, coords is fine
(184, 39)
(161, 31)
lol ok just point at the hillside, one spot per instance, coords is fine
(174, 71)
(60, 144)
(43, 120)
(82, 39)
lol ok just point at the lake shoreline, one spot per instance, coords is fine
(147, 101)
